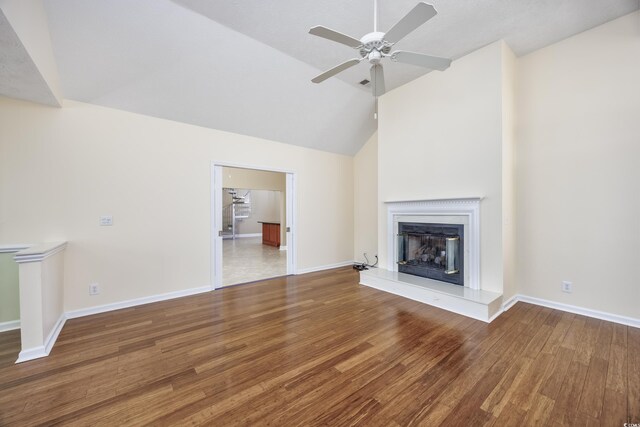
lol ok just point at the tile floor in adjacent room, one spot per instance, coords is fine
(247, 260)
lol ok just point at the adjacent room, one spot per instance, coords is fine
(253, 211)
(318, 212)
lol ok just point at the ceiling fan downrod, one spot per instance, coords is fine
(375, 16)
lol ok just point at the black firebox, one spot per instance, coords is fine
(435, 251)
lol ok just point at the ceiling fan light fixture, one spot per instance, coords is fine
(374, 57)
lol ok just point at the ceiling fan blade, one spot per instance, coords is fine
(335, 36)
(427, 61)
(377, 80)
(335, 70)
(417, 16)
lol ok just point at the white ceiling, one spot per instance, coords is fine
(245, 66)
(460, 27)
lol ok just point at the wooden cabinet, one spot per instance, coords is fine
(271, 233)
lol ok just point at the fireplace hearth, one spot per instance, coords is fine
(409, 251)
(434, 251)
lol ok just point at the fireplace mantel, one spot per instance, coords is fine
(431, 202)
(467, 207)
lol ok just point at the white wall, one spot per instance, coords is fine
(265, 206)
(578, 174)
(365, 200)
(260, 180)
(52, 270)
(440, 136)
(60, 169)
(41, 299)
(255, 179)
(9, 290)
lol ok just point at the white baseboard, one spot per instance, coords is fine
(324, 267)
(134, 302)
(283, 248)
(494, 317)
(31, 354)
(506, 305)
(240, 236)
(10, 326)
(610, 317)
(43, 350)
(53, 335)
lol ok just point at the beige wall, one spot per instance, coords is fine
(365, 200)
(576, 194)
(562, 198)
(578, 169)
(440, 136)
(9, 290)
(60, 169)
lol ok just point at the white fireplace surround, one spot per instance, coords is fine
(466, 208)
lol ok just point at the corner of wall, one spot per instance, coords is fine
(576, 157)
(508, 82)
(365, 200)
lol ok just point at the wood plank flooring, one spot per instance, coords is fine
(319, 349)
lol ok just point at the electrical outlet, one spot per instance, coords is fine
(94, 289)
(567, 286)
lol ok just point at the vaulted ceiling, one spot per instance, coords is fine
(245, 66)
(19, 76)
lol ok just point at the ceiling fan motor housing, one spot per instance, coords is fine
(373, 46)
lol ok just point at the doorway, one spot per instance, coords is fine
(252, 223)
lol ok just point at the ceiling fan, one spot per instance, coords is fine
(377, 45)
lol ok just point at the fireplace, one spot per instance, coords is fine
(418, 232)
(461, 214)
(434, 251)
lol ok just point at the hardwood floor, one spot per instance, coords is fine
(319, 349)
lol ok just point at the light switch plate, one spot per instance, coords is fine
(106, 220)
